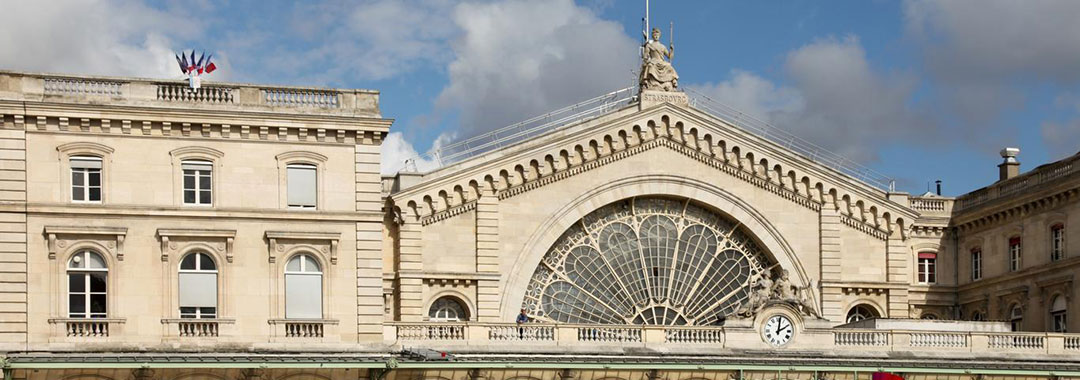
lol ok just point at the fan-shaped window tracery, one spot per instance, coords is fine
(647, 260)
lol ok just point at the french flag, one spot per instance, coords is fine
(191, 64)
(210, 66)
(183, 67)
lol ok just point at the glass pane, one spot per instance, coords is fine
(76, 304)
(187, 312)
(97, 303)
(76, 178)
(208, 312)
(206, 262)
(188, 263)
(294, 264)
(189, 196)
(77, 261)
(95, 177)
(76, 282)
(97, 282)
(189, 179)
(204, 181)
(95, 194)
(311, 265)
(204, 197)
(94, 260)
(77, 193)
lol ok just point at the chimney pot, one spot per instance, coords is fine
(1010, 167)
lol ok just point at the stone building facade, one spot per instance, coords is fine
(244, 231)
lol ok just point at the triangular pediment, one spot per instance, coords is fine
(578, 148)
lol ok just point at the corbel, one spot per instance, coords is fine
(62, 123)
(283, 133)
(166, 128)
(245, 130)
(302, 133)
(20, 121)
(185, 129)
(264, 131)
(125, 127)
(226, 130)
(206, 130)
(41, 120)
(320, 134)
(84, 124)
(106, 125)
(146, 127)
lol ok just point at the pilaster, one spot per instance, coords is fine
(410, 259)
(487, 255)
(831, 296)
(897, 255)
(369, 234)
(13, 265)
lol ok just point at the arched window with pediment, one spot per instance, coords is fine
(448, 309)
(1016, 317)
(303, 288)
(198, 279)
(87, 274)
(861, 312)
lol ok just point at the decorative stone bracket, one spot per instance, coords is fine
(61, 237)
(174, 240)
(282, 241)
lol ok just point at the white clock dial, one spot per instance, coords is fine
(778, 330)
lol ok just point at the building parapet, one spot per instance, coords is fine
(853, 342)
(79, 89)
(1040, 177)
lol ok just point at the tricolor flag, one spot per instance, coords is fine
(181, 63)
(191, 63)
(199, 65)
(210, 66)
(886, 376)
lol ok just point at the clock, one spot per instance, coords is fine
(778, 330)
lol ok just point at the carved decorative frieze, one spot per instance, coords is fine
(176, 240)
(61, 237)
(283, 241)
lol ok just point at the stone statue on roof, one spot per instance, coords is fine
(656, 71)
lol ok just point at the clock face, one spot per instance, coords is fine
(778, 330)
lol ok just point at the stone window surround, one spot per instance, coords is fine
(64, 154)
(1057, 220)
(64, 242)
(322, 246)
(934, 248)
(178, 243)
(463, 299)
(301, 157)
(211, 155)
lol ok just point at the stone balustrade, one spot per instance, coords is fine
(933, 206)
(1040, 177)
(177, 94)
(499, 337)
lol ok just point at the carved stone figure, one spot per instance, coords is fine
(656, 70)
(796, 296)
(761, 290)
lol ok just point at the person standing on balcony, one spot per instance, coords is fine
(522, 318)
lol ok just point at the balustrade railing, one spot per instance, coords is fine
(303, 330)
(88, 329)
(930, 204)
(301, 98)
(183, 93)
(1017, 341)
(1033, 179)
(1072, 342)
(694, 335)
(432, 331)
(523, 332)
(937, 339)
(861, 338)
(605, 334)
(197, 328)
(79, 86)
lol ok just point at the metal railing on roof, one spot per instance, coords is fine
(524, 130)
(789, 141)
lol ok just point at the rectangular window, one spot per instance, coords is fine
(1059, 321)
(1014, 254)
(303, 296)
(85, 179)
(86, 295)
(1057, 242)
(976, 264)
(197, 182)
(198, 295)
(302, 185)
(927, 267)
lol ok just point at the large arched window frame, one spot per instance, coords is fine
(87, 285)
(304, 163)
(189, 163)
(861, 311)
(448, 308)
(79, 161)
(197, 282)
(304, 287)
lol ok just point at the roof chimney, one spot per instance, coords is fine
(1011, 167)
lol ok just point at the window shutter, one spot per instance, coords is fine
(1014, 241)
(303, 296)
(85, 163)
(196, 165)
(198, 289)
(301, 183)
(927, 255)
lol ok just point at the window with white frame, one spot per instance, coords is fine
(302, 185)
(198, 286)
(1016, 318)
(87, 285)
(447, 309)
(1014, 253)
(976, 264)
(303, 288)
(85, 179)
(927, 267)
(1057, 242)
(1058, 320)
(861, 312)
(198, 179)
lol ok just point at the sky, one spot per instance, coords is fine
(918, 90)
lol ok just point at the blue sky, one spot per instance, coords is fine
(918, 90)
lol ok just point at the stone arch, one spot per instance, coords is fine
(703, 192)
(461, 298)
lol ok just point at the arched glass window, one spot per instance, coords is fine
(861, 312)
(977, 315)
(447, 309)
(929, 316)
(1016, 318)
(198, 286)
(303, 288)
(87, 285)
(1058, 320)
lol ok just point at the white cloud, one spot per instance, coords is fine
(91, 37)
(517, 59)
(836, 99)
(1061, 138)
(398, 154)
